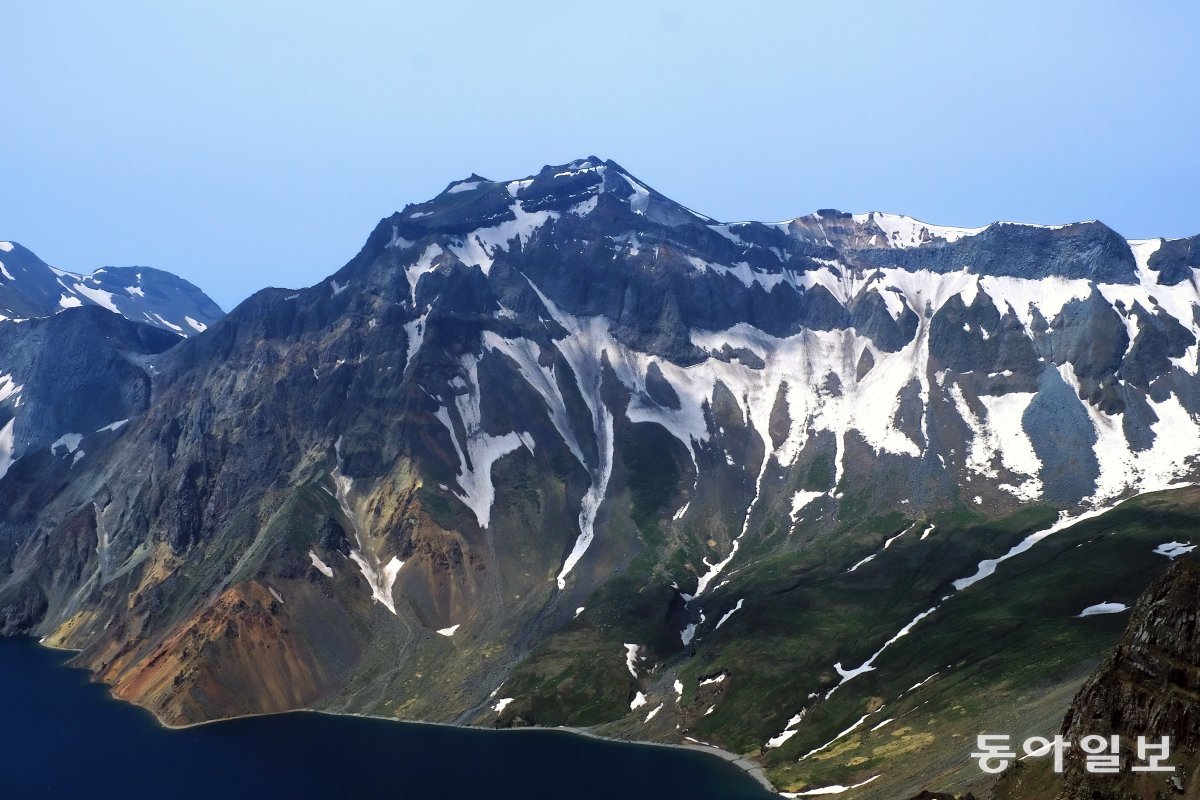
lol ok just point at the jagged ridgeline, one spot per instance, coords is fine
(832, 493)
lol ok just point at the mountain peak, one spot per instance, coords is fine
(31, 288)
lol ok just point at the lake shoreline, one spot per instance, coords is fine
(754, 770)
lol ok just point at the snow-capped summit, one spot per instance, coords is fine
(757, 454)
(30, 288)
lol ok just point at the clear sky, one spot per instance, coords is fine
(247, 144)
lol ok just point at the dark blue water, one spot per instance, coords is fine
(62, 736)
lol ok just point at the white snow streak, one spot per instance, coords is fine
(729, 614)
(868, 665)
(482, 451)
(846, 732)
(379, 579)
(988, 566)
(6, 446)
(631, 658)
(321, 566)
(837, 788)
(789, 730)
(1103, 608)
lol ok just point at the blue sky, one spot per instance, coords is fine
(243, 145)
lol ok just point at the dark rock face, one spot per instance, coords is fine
(1175, 260)
(1148, 687)
(1086, 250)
(1066, 441)
(79, 371)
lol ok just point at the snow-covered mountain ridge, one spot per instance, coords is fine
(867, 326)
(73, 348)
(558, 450)
(30, 288)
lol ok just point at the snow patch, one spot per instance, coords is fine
(988, 566)
(68, 441)
(6, 446)
(482, 450)
(479, 247)
(901, 231)
(448, 631)
(97, 296)
(919, 684)
(789, 730)
(321, 566)
(868, 665)
(165, 322)
(380, 581)
(866, 560)
(414, 330)
(1103, 608)
(729, 614)
(1173, 550)
(801, 499)
(631, 658)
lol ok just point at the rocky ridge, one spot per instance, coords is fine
(559, 450)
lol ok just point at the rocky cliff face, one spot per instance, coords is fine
(1149, 686)
(559, 450)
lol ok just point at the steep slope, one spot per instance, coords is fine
(30, 288)
(68, 384)
(65, 377)
(1148, 688)
(559, 450)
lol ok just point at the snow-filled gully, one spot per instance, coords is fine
(380, 577)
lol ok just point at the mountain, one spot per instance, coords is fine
(75, 351)
(30, 288)
(830, 493)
